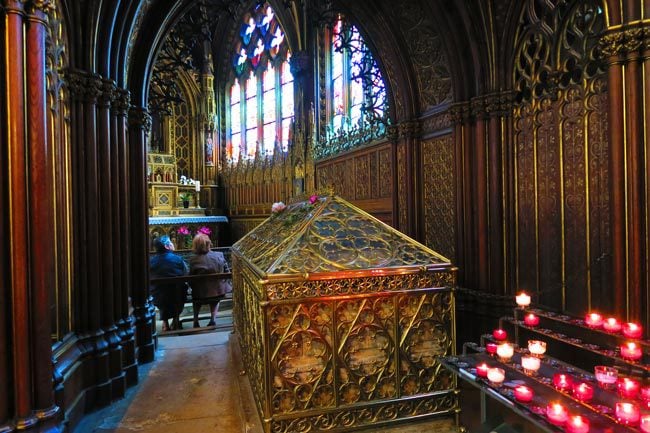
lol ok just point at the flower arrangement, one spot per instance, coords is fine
(186, 196)
(313, 199)
(183, 230)
(204, 230)
(278, 207)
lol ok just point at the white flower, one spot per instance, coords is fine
(278, 207)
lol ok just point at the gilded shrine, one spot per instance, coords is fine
(342, 319)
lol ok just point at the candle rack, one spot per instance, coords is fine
(572, 348)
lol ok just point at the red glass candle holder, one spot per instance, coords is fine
(606, 376)
(531, 320)
(628, 388)
(557, 414)
(562, 382)
(523, 300)
(523, 394)
(583, 391)
(577, 424)
(645, 393)
(594, 320)
(631, 351)
(499, 334)
(627, 413)
(491, 348)
(482, 370)
(632, 330)
(645, 424)
(611, 325)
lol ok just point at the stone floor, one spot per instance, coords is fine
(194, 386)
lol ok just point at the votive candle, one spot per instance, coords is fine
(537, 347)
(606, 376)
(645, 423)
(530, 364)
(631, 351)
(611, 325)
(505, 352)
(523, 300)
(562, 381)
(496, 376)
(499, 334)
(482, 370)
(583, 391)
(628, 388)
(577, 424)
(531, 320)
(523, 394)
(557, 414)
(594, 320)
(627, 413)
(645, 393)
(491, 348)
(632, 330)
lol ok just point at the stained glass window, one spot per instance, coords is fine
(353, 88)
(260, 99)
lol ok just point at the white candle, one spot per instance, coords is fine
(197, 185)
(496, 375)
(523, 300)
(505, 351)
(530, 364)
(536, 347)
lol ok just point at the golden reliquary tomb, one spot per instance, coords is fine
(341, 320)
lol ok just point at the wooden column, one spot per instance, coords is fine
(41, 214)
(86, 89)
(107, 185)
(139, 126)
(479, 197)
(5, 254)
(18, 211)
(122, 296)
(617, 173)
(409, 133)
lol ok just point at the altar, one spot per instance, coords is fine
(182, 229)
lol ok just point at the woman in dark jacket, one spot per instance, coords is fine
(208, 290)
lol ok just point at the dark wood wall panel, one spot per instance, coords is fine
(439, 201)
(574, 170)
(526, 219)
(364, 177)
(562, 199)
(599, 196)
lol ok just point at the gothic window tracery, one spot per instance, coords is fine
(354, 91)
(260, 95)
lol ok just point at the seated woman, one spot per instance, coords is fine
(207, 290)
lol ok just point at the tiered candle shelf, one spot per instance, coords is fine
(588, 375)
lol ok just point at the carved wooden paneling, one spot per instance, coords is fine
(575, 194)
(362, 175)
(439, 201)
(425, 47)
(561, 172)
(401, 187)
(549, 202)
(599, 193)
(525, 195)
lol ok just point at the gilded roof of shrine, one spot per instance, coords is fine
(330, 235)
